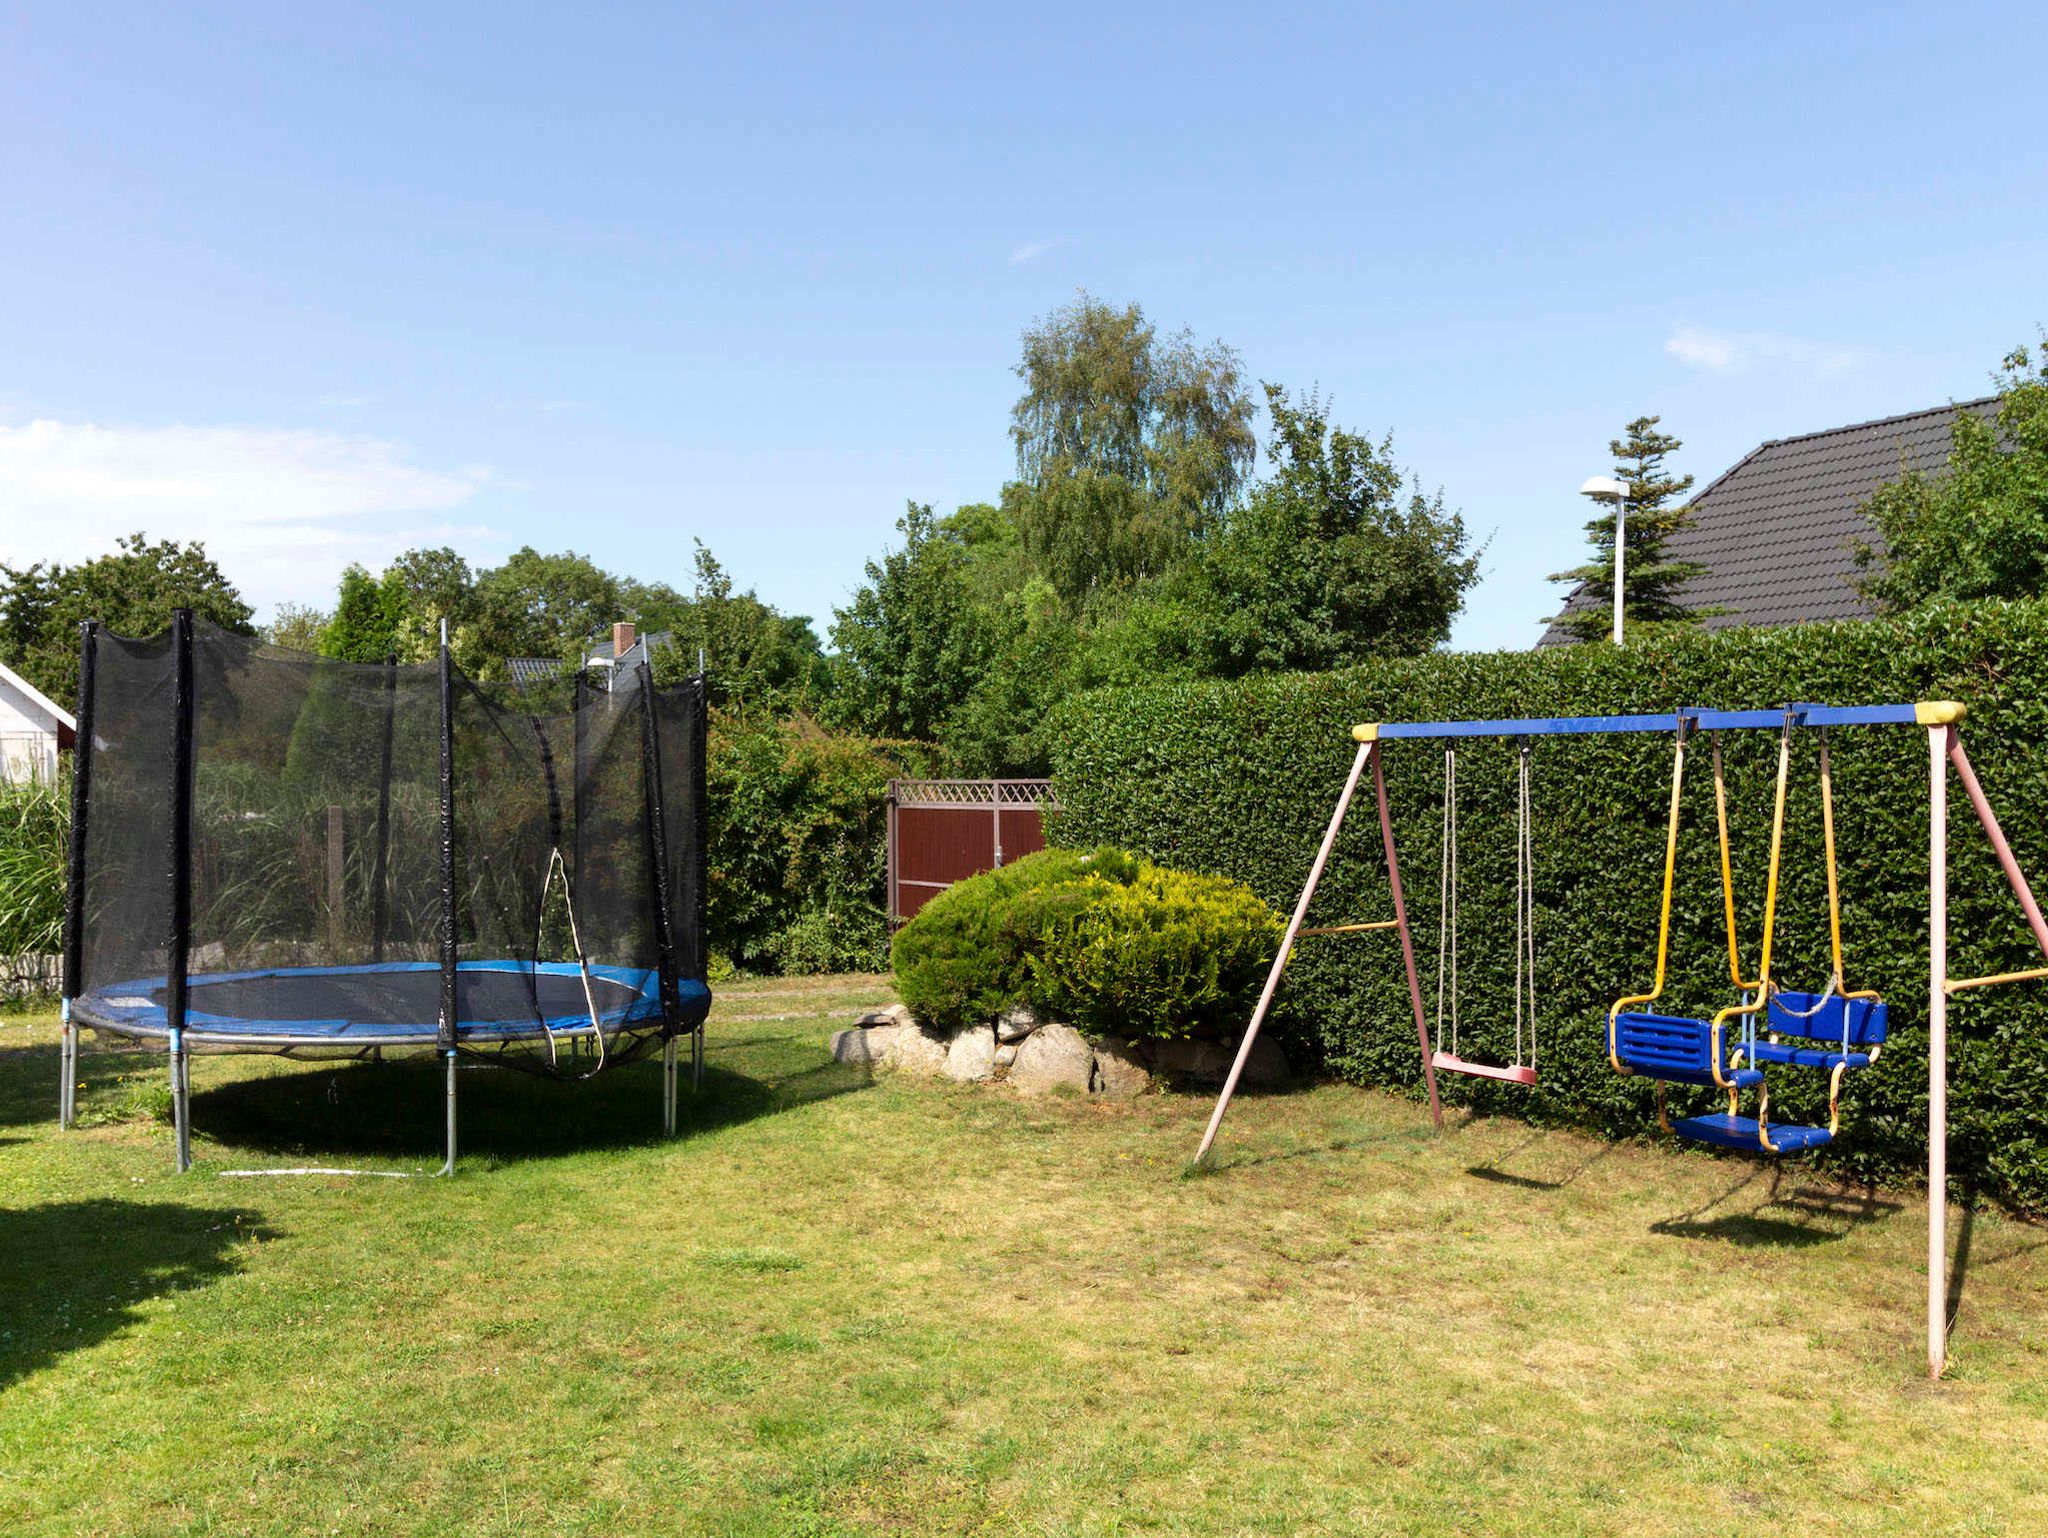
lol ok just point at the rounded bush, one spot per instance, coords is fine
(1101, 938)
(966, 956)
(1173, 953)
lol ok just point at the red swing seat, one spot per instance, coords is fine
(1450, 1062)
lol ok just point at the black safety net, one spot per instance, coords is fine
(261, 866)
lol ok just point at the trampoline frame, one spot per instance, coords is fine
(663, 1000)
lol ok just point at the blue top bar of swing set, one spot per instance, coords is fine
(1662, 721)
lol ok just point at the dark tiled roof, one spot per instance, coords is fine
(1776, 532)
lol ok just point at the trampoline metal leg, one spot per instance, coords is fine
(449, 1167)
(668, 1087)
(181, 1101)
(67, 1074)
(697, 1059)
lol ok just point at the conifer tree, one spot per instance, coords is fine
(1656, 511)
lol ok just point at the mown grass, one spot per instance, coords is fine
(842, 1306)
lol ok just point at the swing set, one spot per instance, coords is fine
(1838, 1030)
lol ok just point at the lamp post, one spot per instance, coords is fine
(1605, 488)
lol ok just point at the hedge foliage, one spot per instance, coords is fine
(1111, 943)
(798, 855)
(1239, 779)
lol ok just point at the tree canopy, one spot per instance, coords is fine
(133, 592)
(1128, 445)
(762, 660)
(1136, 544)
(1329, 561)
(1979, 528)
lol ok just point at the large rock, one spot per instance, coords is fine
(972, 1056)
(1054, 1057)
(1208, 1062)
(1016, 1022)
(1266, 1067)
(1006, 1053)
(1119, 1072)
(1184, 1059)
(869, 1045)
(888, 1014)
(919, 1052)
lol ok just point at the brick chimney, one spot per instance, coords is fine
(622, 639)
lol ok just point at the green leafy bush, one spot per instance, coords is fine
(1110, 942)
(797, 858)
(1237, 779)
(1171, 954)
(967, 954)
(852, 936)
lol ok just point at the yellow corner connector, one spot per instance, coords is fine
(1938, 712)
(1370, 731)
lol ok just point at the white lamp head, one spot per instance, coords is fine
(1604, 487)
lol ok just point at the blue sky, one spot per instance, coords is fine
(314, 284)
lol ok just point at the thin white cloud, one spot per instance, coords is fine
(1733, 351)
(280, 510)
(1030, 251)
(346, 400)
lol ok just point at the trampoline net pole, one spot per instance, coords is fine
(668, 1087)
(67, 1071)
(380, 865)
(74, 891)
(448, 940)
(657, 852)
(181, 1101)
(448, 1167)
(180, 938)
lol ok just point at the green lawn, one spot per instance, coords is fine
(839, 1305)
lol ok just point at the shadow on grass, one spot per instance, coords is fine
(1793, 1218)
(1495, 1175)
(71, 1273)
(397, 1108)
(28, 1078)
(1343, 1142)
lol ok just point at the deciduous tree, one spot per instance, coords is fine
(1979, 528)
(133, 592)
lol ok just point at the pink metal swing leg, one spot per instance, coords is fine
(1368, 751)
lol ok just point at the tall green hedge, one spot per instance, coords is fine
(1239, 779)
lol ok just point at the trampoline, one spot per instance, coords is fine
(274, 852)
(393, 1004)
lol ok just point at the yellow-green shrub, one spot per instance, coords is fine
(1171, 954)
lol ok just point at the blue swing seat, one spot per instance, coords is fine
(1678, 1050)
(1740, 1132)
(1866, 1021)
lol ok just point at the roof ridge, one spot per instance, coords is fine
(1903, 416)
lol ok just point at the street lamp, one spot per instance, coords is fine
(1605, 488)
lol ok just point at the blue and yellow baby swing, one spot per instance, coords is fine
(1839, 1029)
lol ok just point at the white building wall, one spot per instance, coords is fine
(28, 736)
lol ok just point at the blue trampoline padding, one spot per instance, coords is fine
(1740, 1132)
(397, 1002)
(1676, 1049)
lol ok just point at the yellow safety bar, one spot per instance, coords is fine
(1827, 823)
(1762, 984)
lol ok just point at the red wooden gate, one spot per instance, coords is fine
(943, 831)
